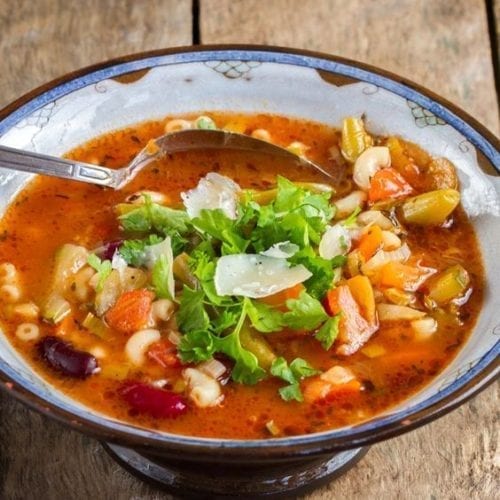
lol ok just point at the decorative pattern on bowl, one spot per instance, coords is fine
(269, 81)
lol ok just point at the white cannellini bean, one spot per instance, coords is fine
(390, 241)
(10, 293)
(138, 344)
(424, 328)
(347, 205)
(368, 163)
(176, 125)
(27, 331)
(375, 217)
(337, 375)
(8, 272)
(262, 134)
(203, 390)
(29, 310)
(162, 309)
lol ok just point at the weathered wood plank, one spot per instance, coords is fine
(440, 44)
(45, 39)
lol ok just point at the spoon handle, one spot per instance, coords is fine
(35, 163)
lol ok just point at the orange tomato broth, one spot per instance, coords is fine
(50, 212)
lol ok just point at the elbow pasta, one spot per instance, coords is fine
(27, 331)
(138, 344)
(10, 293)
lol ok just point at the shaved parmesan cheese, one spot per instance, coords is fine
(212, 192)
(255, 276)
(282, 250)
(335, 241)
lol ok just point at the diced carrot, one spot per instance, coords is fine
(402, 276)
(354, 329)
(362, 291)
(164, 353)
(370, 242)
(131, 311)
(279, 299)
(388, 183)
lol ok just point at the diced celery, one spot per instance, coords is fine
(257, 345)
(56, 308)
(449, 284)
(432, 208)
(96, 326)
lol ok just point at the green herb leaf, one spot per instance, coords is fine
(219, 226)
(328, 332)
(103, 269)
(291, 392)
(305, 313)
(263, 317)
(322, 271)
(191, 315)
(196, 346)
(154, 217)
(246, 369)
(297, 370)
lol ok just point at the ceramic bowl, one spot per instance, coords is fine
(95, 100)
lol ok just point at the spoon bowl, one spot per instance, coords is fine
(173, 142)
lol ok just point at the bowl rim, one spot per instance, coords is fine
(463, 388)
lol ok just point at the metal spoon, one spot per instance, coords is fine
(184, 140)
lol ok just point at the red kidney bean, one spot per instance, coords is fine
(63, 357)
(159, 403)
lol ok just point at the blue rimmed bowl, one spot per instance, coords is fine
(122, 92)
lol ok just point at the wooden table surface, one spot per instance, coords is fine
(442, 44)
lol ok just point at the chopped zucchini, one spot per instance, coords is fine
(449, 285)
(432, 208)
(354, 138)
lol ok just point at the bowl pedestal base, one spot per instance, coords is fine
(205, 480)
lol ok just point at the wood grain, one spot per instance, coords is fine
(45, 39)
(439, 43)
